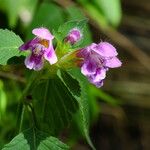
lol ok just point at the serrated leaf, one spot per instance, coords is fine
(54, 105)
(9, 43)
(33, 139)
(71, 83)
(83, 116)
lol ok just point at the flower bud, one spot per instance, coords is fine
(73, 36)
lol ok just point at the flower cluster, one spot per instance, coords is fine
(96, 59)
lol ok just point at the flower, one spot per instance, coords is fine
(73, 36)
(41, 48)
(97, 59)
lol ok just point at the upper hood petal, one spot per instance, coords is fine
(43, 33)
(104, 49)
(113, 62)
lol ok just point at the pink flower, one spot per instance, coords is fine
(97, 59)
(41, 48)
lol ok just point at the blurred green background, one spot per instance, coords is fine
(120, 110)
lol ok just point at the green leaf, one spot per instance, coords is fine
(33, 139)
(48, 15)
(111, 9)
(83, 115)
(9, 43)
(71, 83)
(54, 105)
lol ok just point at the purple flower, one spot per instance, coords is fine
(97, 59)
(73, 36)
(41, 48)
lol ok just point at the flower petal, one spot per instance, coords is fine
(39, 66)
(104, 49)
(29, 63)
(84, 53)
(88, 68)
(43, 33)
(99, 84)
(34, 62)
(97, 79)
(100, 74)
(113, 62)
(50, 55)
(30, 44)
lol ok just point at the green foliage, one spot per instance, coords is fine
(33, 139)
(83, 115)
(111, 9)
(8, 109)
(57, 98)
(71, 83)
(3, 101)
(48, 15)
(18, 8)
(9, 43)
(54, 105)
(64, 47)
(98, 93)
(104, 12)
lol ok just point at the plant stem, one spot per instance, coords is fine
(21, 118)
(35, 123)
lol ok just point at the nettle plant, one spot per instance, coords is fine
(56, 91)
